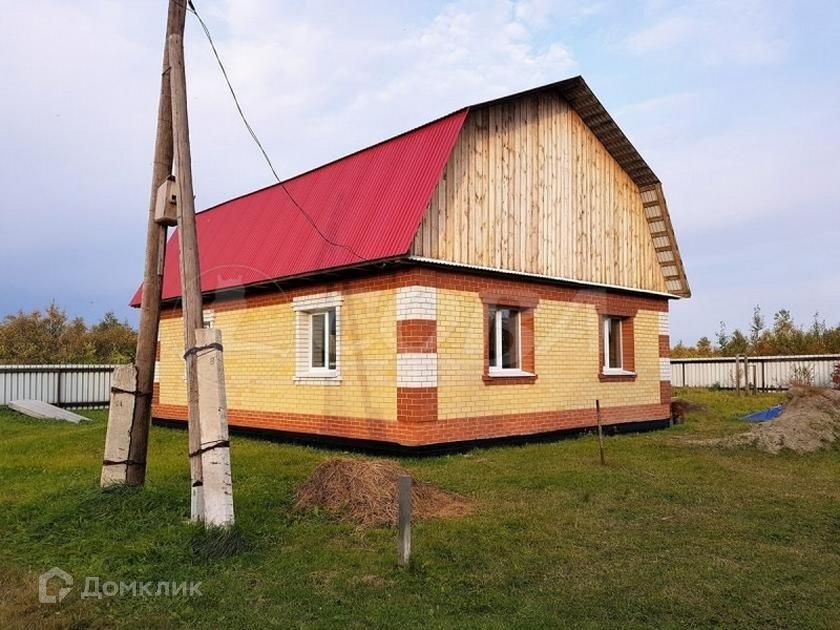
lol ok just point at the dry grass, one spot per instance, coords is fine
(365, 493)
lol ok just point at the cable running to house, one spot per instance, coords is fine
(191, 8)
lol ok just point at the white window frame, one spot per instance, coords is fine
(495, 368)
(605, 364)
(305, 308)
(324, 370)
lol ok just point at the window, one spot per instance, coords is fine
(318, 338)
(322, 339)
(504, 338)
(613, 359)
(509, 357)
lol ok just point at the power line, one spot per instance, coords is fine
(191, 8)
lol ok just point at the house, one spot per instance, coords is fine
(489, 274)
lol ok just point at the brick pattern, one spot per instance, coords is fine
(417, 369)
(417, 361)
(416, 335)
(421, 432)
(665, 369)
(380, 325)
(260, 359)
(665, 393)
(567, 358)
(453, 280)
(417, 404)
(664, 359)
(416, 302)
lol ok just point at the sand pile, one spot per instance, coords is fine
(810, 422)
(365, 492)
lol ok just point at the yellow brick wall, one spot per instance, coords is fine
(260, 360)
(566, 359)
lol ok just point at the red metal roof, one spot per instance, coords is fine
(371, 202)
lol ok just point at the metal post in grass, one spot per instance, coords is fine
(738, 374)
(600, 431)
(404, 522)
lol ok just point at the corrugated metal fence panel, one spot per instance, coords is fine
(77, 385)
(770, 372)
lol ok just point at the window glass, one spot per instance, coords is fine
(613, 342)
(503, 342)
(491, 328)
(510, 337)
(318, 338)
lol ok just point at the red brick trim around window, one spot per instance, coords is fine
(628, 348)
(526, 338)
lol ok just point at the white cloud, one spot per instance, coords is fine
(317, 80)
(317, 89)
(714, 32)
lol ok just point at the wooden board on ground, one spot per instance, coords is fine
(44, 411)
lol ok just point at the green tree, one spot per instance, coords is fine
(704, 347)
(112, 341)
(757, 325)
(49, 336)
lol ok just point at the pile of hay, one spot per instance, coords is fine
(810, 422)
(365, 492)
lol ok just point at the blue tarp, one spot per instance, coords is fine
(765, 414)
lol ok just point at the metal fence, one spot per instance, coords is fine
(77, 386)
(765, 372)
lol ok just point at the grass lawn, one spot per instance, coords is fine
(667, 534)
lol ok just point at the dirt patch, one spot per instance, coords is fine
(810, 422)
(365, 493)
(679, 407)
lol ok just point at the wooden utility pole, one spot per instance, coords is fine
(137, 435)
(126, 441)
(191, 308)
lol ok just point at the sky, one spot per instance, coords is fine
(733, 104)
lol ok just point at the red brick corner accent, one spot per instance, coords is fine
(416, 335)
(417, 404)
(664, 346)
(665, 392)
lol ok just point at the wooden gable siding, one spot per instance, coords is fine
(529, 188)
